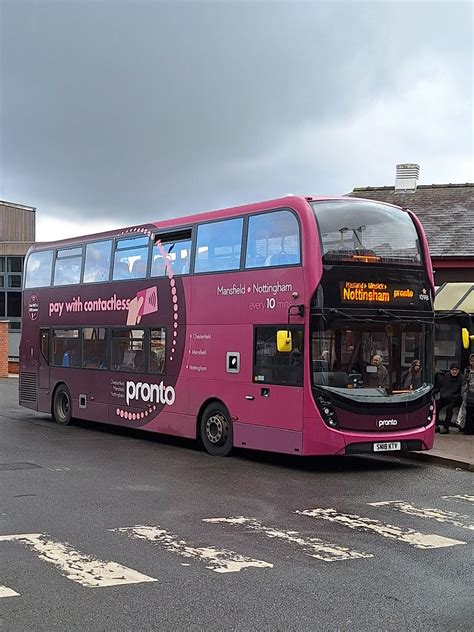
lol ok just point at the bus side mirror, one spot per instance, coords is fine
(466, 339)
(284, 342)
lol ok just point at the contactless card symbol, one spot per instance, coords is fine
(145, 302)
(150, 301)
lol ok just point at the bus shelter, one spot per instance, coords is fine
(454, 310)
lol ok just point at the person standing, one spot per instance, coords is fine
(450, 395)
(382, 373)
(468, 396)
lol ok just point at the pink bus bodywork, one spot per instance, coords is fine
(207, 317)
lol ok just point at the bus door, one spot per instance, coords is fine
(43, 360)
(275, 397)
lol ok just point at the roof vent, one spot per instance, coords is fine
(407, 178)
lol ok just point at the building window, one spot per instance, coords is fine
(15, 264)
(10, 301)
(14, 280)
(13, 304)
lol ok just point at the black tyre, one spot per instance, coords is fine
(62, 405)
(216, 430)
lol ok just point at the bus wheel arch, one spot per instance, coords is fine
(214, 427)
(61, 407)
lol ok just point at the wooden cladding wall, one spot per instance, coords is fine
(17, 229)
(14, 250)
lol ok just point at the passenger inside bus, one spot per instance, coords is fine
(139, 269)
(379, 377)
(121, 270)
(157, 362)
(411, 379)
(139, 361)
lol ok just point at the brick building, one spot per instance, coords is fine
(447, 214)
(17, 233)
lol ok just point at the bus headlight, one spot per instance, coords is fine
(431, 410)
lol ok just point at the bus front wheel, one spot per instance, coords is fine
(216, 430)
(62, 405)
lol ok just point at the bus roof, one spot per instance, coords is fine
(297, 202)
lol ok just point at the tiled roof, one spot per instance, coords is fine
(445, 210)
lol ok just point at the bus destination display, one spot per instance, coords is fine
(379, 293)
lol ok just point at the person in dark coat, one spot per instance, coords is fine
(468, 396)
(450, 395)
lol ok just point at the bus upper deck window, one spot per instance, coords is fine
(218, 246)
(97, 261)
(38, 269)
(171, 253)
(273, 240)
(131, 258)
(67, 268)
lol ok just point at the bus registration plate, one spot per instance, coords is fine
(387, 446)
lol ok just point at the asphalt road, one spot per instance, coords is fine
(104, 529)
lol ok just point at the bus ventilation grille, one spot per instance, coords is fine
(28, 387)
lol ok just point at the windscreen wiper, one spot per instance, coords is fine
(450, 314)
(387, 312)
(338, 312)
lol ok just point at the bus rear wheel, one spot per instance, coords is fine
(62, 405)
(216, 430)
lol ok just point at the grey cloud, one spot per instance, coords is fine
(127, 109)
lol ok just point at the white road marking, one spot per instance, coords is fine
(409, 536)
(7, 592)
(449, 517)
(219, 561)
(83, 569)
(466, 497)
(314, 547)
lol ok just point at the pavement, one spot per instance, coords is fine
(450, 450)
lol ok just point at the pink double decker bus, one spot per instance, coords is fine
(298, 325)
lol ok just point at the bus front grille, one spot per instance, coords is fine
(28, 387)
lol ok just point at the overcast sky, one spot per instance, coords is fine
(116, 113)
